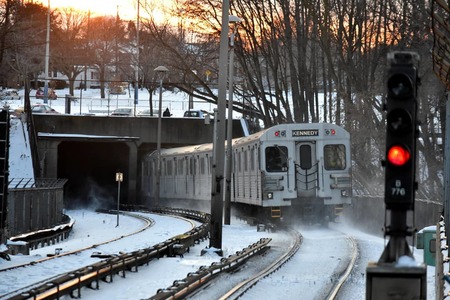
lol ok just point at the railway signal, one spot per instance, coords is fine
(401, 130)
(389, 278)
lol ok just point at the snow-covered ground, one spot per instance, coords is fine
(20, 165)
(163, 272)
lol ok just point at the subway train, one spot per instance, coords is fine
(290, 170)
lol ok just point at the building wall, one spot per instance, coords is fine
(89, 76)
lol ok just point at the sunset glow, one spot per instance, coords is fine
(125, 8)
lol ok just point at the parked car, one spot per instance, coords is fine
(9, 94)
(117, 90)
(43, 109)
(51, 94)
(37, 109)
(195, 114)
(146, 113)
(123, 112)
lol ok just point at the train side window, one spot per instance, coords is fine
(169, 167)
(305, 157)
(252, 159)
(239, 162)
(334, 157)
(202, 165)
(276, 159)
(163, 167)
(152, 169)
(180, 167)
(175, 166)
(188, 166)
(192, 166)
(245, 161)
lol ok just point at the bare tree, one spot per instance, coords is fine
(69, 54)
(26, 40)
(104, 34)
(7, 8)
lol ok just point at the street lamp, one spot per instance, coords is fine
(47, 53)
(136, 71)
(227, 217)
(160, 73)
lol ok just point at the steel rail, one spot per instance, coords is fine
(335, 291)
(195, 280)
(148, 223)
(244, 286)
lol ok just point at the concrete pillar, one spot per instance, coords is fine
(48, 156)
(132, 172)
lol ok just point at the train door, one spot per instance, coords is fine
(306, 169)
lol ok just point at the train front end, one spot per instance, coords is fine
(306, 170)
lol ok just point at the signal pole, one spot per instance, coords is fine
(396, 275)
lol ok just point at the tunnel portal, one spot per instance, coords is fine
(90, 168)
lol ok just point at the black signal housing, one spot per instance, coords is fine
(401, 130)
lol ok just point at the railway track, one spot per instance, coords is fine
(148, 222)
(298, 269)
(244, 286)
(63, 268)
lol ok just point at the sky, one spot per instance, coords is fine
(127, 9)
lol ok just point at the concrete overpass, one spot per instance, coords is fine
(89, 150)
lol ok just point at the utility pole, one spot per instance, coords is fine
(217, 180)
(160, 72)
(227, 219)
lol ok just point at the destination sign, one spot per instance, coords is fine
(305, 132)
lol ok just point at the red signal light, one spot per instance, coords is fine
(330, 131)
(398, 155)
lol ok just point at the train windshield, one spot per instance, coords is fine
(276, 159)
(334, 156)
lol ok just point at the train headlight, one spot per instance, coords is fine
(345, 193)
(269, 195)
